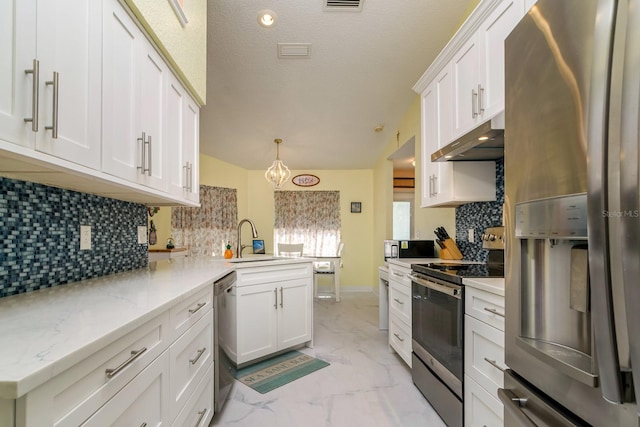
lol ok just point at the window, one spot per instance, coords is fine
(308, 217)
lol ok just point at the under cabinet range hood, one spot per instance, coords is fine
(485, 142)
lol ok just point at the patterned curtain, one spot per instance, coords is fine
(309, 217)
(205, 230)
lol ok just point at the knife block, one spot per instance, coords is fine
(450, 250)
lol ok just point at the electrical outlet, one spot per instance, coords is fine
(85, 237)
(472, 237)
(142, 235)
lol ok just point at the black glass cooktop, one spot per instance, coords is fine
(455, 272)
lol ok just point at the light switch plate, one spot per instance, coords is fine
(142, 234)
(85, 237)
(472, 237)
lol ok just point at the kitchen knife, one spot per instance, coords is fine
(439, 242)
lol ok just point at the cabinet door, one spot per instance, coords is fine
(465, 81)
(492, 33)
(174, 121)
(257, 321)
(69, 38)
(484, 354)
(121, 151)
(191, 148)
(144, 401)
(480, 409)
(152, 81)
(429, 141)
(294, 313)
(18, 50)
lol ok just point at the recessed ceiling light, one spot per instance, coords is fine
(267, 18)
(378, 128)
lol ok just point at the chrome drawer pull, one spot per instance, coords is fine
(398, 336)
(201, 413)
(143, 425)
(200, 353)
(494, 311)
(198, 307)
(134, 355)
(35, 95)
(398, 301)
(494, 364)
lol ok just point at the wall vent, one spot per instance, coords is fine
(343, 5)
(294, 50)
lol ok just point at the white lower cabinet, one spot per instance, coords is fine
(150, 375)
(483, 357)
(198, 411)
(275, 315)
(400, 312)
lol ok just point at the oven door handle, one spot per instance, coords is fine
(449, 290)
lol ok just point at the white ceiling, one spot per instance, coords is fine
(325, 107)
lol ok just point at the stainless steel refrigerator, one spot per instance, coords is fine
(572, 212)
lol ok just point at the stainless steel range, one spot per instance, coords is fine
(438, 325)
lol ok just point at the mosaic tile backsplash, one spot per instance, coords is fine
(40, 231)
(479, 216)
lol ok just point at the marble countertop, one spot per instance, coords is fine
(45, 332)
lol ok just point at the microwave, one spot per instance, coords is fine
(409, 249)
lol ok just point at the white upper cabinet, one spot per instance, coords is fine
(182, 139)
(478, 68)
(134, 88)
(59, 42)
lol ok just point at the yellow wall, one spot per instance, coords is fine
(425, 219)
(184, 47)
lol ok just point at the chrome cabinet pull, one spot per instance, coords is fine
(190, 176)
(201, 415)
(275, 291)
(149, 158)
(198, 356)
(198, 307)
(474, 102)
(141, 168)
(398, 301)
(398, 336)
(143, 425)
(54, 125)
(435, 185)
(134, 355)
(494, 364)
(480, 98)
(494, 311)
(35, 95)
(281, 297)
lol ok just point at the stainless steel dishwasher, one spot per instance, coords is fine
(224, 369)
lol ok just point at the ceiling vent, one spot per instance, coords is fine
(343, 5)
(294, 50)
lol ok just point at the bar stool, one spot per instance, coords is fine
(329, 267)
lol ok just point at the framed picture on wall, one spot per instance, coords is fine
(356, 207)
(258, 246)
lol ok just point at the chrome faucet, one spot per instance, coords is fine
(240, 246)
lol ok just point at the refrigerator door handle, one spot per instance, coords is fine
(629, 195)
(600, 279)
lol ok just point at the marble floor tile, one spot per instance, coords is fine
(365, 385)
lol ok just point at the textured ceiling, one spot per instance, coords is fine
(325, 107)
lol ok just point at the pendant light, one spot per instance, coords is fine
(278, 173)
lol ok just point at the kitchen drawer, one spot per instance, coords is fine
(399, 274)
(484, 354)
(484, 306)
(400, 302)
(198, 411)
(85, 387)
(144, 401)
(191, 356)
(274, 273)
(480, 408)
(400, 338)
(188, 312)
